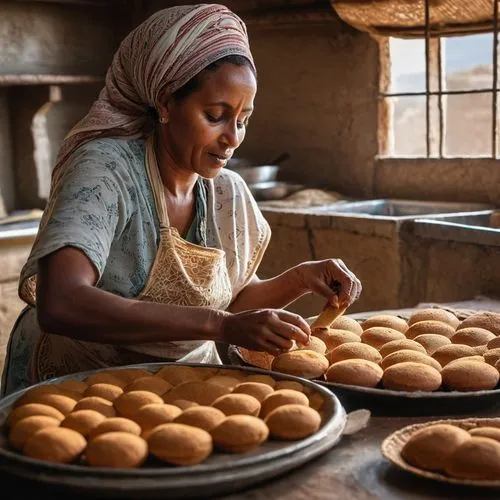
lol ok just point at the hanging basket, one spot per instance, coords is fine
(406, 18)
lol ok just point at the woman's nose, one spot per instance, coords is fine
(231, 136)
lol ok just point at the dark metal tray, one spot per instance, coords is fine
(220, 473)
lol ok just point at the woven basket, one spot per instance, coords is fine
(406, 18)
(392, 446)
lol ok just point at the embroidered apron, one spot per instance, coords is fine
(183, 274)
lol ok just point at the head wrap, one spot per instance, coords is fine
(161, 54)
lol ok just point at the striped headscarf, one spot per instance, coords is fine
(161, 54)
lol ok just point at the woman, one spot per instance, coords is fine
(148, 247)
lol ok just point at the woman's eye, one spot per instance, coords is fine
(242, 124)
(213, 119)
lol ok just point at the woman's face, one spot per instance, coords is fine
(204, 129)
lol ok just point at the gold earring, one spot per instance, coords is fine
(163, 120)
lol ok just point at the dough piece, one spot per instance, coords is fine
(487, 320)
(105, 378)
(409, 355)
(117, 450)
(346, 323)
(360, 372)
(237, 404)
(180, 444)
(431, 342)
(354, 350)
(280, 398)
(292, 422)
(469, 375)
(261, 379)
(203, 417)
(288, 384)
(377, 336)
(200, 392)
(491, 356)
(306, 364)
(434, 314)
(178, 374)
(472, 336)
(256, 389)
(23, 429)
(98, 404)
(153, 414)
(431, 446)
(105, 391)
(224, 381)
(30, 410)
(55, 444)
(315, 344)
(399, 345)
(487, 432)
(129, 403)
(240, 433)
(476, 458)
(333, 338)
(152, 384)
(426, 327)
(73, 385)
(410, 376)
(116, 424)
(83, 421)
(386, 320)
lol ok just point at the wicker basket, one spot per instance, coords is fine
(406, 18)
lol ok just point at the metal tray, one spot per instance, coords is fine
(383, 402)
(220, 473)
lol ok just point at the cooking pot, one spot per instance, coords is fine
(255, 174)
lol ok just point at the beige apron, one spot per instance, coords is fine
(182, 274)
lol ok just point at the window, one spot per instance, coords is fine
(439, 96)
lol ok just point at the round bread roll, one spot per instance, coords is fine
(183, 404)
(207, 371)
(491, 356)
(359, 372)
(105, 378)
(30, 410)
(55, 444)
(386, 320)
(472, 336)
(434, 314)
(377, 336)
(480, 349)
(83, 421)
(430, 447)
(73, 385)
(315, 344)
(180, 444)
(280, 398)
(487, 432)
(261, 379)
(224, 381)
(447, 353)
(117, 449)
(31, 394)
(237, 404)
(494, 343)
(431, 342)
(23, 429)
(231, 372)
(292, 422)
(116, 424)
(151, 415)
(333, 338)
(203, 417)
(202, 393)
(426, 327)
(98, 404)
(176, 375)
(471, 358)
(399, 345)
(469, 375)
(409, 355)
(289, 384)
(354, 350)
(240, 433)
(346, 323)
(410, 376)
(488, 320)
(316, 401)
(259, 359)
(105, 391)
(256, 389)
(129, 374)
(129, 403)
(476, 458)
(152, 384)
(306, 364)
(60, 402)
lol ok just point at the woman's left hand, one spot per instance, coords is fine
(330, 278)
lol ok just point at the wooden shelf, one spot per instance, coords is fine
(47, 79)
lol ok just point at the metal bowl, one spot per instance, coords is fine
(257, 173)
(273, 190)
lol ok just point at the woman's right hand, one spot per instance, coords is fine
(270, 330)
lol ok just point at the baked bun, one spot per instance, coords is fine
(354, 350)
(426, 327)
(488, 320)
(410, 376)
(333, 338)
(448, 353)
(387, 320)
(203, 417)
(469, 375)
(239, 433)
(472, 336)
(117, 449)
(358, 372)
(377, 336)
(399, 345)
(434, 314)
(431, 342)
(346, 323)
(306, 364)
(409, 355)
(292, 422)
(280, 398)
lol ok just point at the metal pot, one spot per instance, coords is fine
(258, 173)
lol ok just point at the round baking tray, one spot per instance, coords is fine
(383, 402)
(220, 473)
(393, 444)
